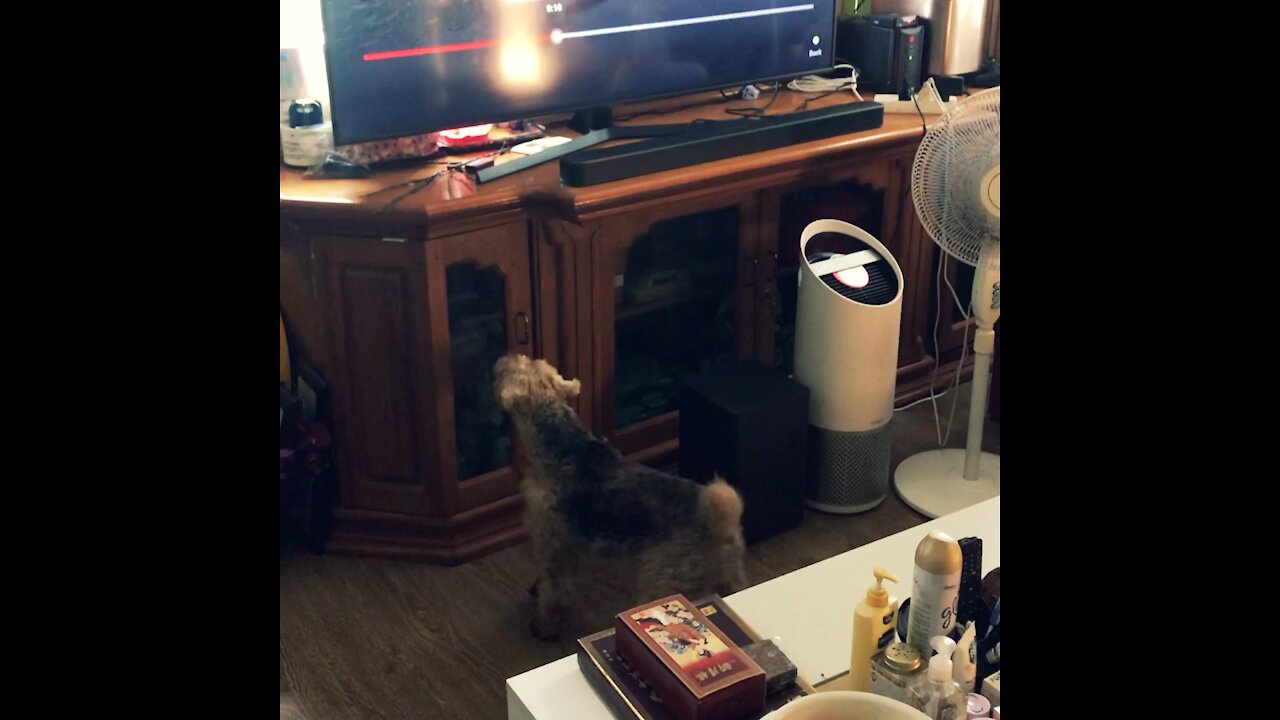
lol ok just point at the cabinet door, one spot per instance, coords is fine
(375, 299)
(481, 308)
(672, 291)
(870, 197)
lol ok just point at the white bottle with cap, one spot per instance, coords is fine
(306, 139)
(936, 694)
(935, 590)
(965, 660)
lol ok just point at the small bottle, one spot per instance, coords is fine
(874, 622)
(895, 670)
(306, 139)
(935, 590)
(964, 662)
(936, 694)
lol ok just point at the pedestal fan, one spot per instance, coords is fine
(955, 185)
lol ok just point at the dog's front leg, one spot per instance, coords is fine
(546, 620)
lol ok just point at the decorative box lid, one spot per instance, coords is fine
(692, 648)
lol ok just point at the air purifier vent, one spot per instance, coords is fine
(880, 289)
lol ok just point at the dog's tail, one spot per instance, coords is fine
(721, 508)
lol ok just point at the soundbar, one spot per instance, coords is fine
(706, 142)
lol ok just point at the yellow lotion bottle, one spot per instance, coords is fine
(874, 623)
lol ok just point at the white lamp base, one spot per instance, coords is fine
(932, 482)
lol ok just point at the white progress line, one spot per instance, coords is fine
(557, 36)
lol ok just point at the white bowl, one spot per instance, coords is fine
(845, 705)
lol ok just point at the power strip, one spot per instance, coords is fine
(928, 105)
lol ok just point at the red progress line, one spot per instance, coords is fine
(435, 49)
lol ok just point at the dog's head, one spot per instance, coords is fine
(520, 383)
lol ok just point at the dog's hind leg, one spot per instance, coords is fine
(735, 573)
(547, 616)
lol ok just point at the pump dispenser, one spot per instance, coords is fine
(874, 623)
(937, 695)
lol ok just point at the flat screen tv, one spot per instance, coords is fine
(405, 67)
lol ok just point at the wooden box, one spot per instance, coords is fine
(699, 673)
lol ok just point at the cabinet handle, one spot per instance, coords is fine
(522, 328)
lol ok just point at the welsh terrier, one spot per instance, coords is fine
(600, 523)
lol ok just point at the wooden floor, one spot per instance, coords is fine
(372, 639)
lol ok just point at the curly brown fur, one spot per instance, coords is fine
(636, 533)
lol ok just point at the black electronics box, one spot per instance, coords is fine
(749, 424)
(887, 50)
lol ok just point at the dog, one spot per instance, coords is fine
(599, 523)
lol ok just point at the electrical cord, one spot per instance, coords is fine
(819, 84)
(415, 185)
(967, 312)
(805, 105)
(915, 98)
(922, 400)
(933, 377)
(687, 106)
(753, 112)
(955, 383)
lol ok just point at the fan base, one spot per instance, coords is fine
(932, 482)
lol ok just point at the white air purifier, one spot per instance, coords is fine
(848, 315)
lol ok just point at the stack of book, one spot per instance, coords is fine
(631, 698)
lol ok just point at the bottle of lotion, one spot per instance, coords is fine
(935, 590)
(874, 623)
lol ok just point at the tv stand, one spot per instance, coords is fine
(366, 285)
(684, 144)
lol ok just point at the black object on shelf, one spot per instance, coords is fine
(988, 76)
(698, 143)
(887, 50)
(970, 602)
(749, 424)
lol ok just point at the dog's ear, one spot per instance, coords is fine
(515, 402)
(513, 392)
(569, 389)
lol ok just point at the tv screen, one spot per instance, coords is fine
(403, 67)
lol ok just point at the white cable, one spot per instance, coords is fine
(955, 384)
(939, 279)
(933, 377)
(922, 400)
(956, 296)
(819, 84)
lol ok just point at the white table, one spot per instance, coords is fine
(808, 613)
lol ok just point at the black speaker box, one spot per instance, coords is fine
(749, 424)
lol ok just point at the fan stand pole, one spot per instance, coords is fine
(984, 340)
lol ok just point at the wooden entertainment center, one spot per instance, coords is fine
(626, 286)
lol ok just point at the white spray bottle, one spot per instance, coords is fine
(964, 661)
